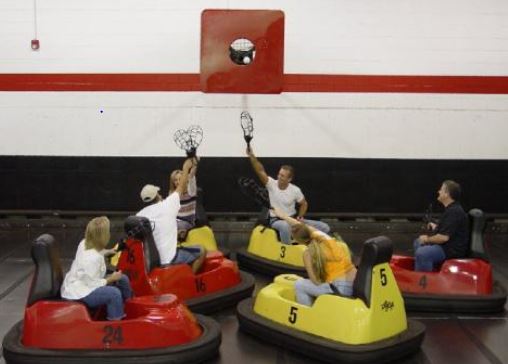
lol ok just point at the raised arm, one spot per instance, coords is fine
(184, 179)
(283, 216)
(291, 221)
(258, 167)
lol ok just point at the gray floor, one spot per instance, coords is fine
(449, 338)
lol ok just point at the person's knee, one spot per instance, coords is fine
(124, 279)
(300, 284)
(421, 254)
(115, 295)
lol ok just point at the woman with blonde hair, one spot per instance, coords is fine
(87, 281)
(326, 260)
(186, 218)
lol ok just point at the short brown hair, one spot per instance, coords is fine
(290, 169)
(453, 189)
(97, 233)
(301, 233)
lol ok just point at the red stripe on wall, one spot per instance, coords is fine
(100, 82)
(292, 83)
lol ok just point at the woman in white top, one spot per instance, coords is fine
(186, 218)
(87, 281)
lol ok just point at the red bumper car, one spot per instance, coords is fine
(219, 283)
(156, 329)
(459, 285)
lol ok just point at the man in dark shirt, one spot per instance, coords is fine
(450, 237)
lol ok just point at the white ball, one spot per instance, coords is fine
(246, 60)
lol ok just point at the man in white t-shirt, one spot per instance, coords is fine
(162, 213)
(284, 195)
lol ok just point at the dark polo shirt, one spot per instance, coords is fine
(455, 224)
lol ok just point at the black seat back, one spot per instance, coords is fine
(263, 217)
(201, 218)
(477, 224)
(139, 227)
(375, 251)
(48, 275)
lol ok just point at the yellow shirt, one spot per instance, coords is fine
(336, 253)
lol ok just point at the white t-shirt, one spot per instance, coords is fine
(163, 215)
(283, 199)
(87, 273)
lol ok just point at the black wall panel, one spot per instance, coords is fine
(330, 185)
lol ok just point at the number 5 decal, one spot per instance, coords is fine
(292, 314)
(384, 279)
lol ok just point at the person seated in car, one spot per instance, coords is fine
(449, 238)
(284, 195)
(87, 281)
(163, 214)
(186, 218)
(326, 260)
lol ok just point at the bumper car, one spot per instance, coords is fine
(202, 234)
(219, 283)
(267, 255)
(458, 285)
(156, 329)
(368, 327)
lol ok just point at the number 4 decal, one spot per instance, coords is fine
(423, 282)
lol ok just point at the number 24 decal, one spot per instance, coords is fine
(112, 334)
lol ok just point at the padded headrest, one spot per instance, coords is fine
(201, 217)
(48, 276)
(263, 217)
(375, 251)
(477, 224)
(139, 227)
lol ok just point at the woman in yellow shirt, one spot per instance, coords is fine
(326, 260)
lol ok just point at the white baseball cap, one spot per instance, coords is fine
(149, 192)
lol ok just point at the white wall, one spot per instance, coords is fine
(434, 37)
(292, 124)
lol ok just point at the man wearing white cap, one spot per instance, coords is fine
(163, 213)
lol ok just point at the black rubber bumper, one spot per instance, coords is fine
(326, 350)
(204, 348)
(494, 302)
(265, 266)
(227, 297)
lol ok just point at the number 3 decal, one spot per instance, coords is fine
(282, 251)
(384, 279)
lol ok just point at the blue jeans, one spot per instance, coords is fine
(427, 256)
(112, 296)
(284, 228)
(187, 254)
(306, 291)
